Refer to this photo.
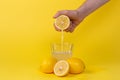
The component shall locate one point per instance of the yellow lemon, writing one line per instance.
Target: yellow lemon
(47, 65)
(62, 22)
(76, 65)
(61, 68)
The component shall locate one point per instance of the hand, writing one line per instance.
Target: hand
(74, 17)
(77, 16)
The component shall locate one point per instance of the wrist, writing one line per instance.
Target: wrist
(81, 13)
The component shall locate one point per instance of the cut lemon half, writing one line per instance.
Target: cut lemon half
(62, 22)
(61, 68)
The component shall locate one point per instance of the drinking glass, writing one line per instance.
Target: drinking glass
(62, 51)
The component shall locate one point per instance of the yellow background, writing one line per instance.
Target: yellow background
(26, 33)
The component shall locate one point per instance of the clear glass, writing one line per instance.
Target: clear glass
(62, 52)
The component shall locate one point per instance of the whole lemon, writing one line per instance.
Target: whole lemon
(76, 65)
(47, 65)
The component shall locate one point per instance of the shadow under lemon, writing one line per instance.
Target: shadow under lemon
(89, 71)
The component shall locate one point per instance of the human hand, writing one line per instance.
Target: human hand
(74, 16)
(78, 15)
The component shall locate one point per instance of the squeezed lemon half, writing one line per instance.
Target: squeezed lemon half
(62, 22)
(61, 68)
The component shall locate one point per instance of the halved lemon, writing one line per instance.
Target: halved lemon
(61, 68)
(62, 22)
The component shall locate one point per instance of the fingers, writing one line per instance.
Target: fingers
(71, 27)
(63, 12)
(72, 14)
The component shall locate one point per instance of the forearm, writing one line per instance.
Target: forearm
(89, 6)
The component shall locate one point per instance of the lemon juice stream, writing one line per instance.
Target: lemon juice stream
(64, 52)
